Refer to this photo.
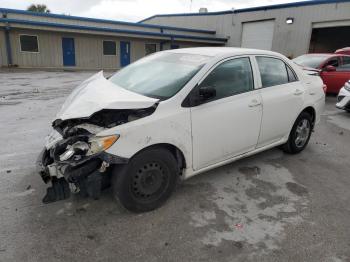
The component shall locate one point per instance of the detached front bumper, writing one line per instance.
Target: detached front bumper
(343, 99)
(88, 176)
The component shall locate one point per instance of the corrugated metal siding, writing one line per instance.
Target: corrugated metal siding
(50, 53)
(88, 50)
(3, 57)
(291, 40)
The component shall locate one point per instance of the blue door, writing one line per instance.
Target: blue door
(68, 51)
(124, 53)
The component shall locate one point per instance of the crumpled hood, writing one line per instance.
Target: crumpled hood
(97, 93)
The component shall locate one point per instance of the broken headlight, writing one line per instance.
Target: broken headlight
(99, 144)
(93, 146)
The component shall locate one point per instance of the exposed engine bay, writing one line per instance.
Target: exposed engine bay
(74, 159)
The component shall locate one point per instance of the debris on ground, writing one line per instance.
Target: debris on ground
(8, 171)
(238, 226)
(91, 237)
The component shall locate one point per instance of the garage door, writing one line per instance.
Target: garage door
(258, 35)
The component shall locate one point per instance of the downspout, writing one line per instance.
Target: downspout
(8, 45)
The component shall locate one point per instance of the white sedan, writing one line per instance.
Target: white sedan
(343, 99)
(173, 115)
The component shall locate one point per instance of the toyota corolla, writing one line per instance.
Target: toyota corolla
(173, 115)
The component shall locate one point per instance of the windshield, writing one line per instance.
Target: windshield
(313, 61)
(161, 75)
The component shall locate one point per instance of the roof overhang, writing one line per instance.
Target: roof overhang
(39, 25)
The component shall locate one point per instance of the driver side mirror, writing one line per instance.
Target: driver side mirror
(199, 95)
(330, 68)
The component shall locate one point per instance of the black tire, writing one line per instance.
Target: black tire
(147, 181)
(292, 146)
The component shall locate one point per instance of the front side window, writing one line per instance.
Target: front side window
(332, 62)
(109, 48)
(150, 48)
(29, 43)
(160, 75)
(230, 78)
(273, 71)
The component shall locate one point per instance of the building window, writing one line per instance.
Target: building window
(29, 43)
(150, 48)
(109, 48)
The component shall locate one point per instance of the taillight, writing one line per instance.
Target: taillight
(324, 88)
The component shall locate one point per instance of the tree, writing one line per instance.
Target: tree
(38, 8)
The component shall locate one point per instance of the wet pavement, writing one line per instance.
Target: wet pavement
(268, 207)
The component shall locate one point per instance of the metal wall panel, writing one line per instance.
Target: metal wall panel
(291, 40)
(3, 56)
(88, 50)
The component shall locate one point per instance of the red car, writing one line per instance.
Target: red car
(344, 51)
(334, 68)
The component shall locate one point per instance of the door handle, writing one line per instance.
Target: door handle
(298, 92)
(255, 103)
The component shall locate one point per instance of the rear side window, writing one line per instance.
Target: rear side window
(230, 78)
(274, 72)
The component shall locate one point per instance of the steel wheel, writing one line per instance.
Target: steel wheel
(302, 133)
(149, 182)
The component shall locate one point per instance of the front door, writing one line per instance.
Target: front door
(228, 124)
(68, 51)
(332, 79)
(124, 53)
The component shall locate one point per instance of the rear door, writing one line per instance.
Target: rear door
(228, 124)
(282, 97)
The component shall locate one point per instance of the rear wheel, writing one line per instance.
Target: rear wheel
(300, 135)
(147, 181)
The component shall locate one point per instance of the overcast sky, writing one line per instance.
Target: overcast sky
(135, 10)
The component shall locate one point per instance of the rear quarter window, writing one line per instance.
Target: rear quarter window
(273, 71)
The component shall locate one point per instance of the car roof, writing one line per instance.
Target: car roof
(325, 54)
(222, 51)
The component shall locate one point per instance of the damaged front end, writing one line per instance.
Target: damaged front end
(74, 159)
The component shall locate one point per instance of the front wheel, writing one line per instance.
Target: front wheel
(300, 135)
(147, 181)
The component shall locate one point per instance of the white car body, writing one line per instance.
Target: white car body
(344, 97)
(205, 135)
(208, 135)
